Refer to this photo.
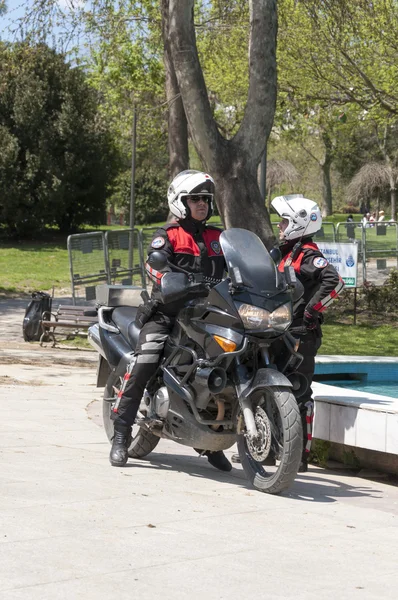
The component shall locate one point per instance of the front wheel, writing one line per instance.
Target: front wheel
(142, 440)
(280, 436)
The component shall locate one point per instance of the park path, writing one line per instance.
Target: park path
(171, 527)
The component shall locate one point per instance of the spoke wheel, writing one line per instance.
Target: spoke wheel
(280, 437)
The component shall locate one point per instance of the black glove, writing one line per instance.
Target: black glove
(311, 318)
(145, 312)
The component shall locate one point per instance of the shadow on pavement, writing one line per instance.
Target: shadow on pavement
(195, 466)
(308, 487)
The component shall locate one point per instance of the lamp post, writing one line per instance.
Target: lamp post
(132, 189)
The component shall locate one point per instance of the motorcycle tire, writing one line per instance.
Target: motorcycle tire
(284, 422)
(142, 440)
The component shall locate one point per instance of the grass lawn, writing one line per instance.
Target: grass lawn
(350, 340)
(26, 266)
(359, 340)
(29, 266)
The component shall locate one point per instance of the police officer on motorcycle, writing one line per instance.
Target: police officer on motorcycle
(301, 219)
(188, 245)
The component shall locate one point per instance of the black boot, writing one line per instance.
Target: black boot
(303, 468)
(218, 460)
(121, 441)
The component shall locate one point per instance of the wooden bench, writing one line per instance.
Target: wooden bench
(75, 318)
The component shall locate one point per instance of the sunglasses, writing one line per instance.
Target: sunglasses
(199, 198)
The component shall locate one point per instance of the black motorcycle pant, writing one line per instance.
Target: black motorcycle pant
(148, 352)
(309, 346)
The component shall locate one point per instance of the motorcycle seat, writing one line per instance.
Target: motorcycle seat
(124, 318)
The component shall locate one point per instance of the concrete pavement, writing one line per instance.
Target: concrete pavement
(73, 527)
(171, 527)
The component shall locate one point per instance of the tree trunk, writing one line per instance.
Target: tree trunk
(232, 163)
(177, 121)
(393, 194)
(327, 199)
(236, 179)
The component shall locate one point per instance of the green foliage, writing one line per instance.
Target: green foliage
(56, 156)
(150, 204)
(383, 299)
(319, 452)
(350, 459)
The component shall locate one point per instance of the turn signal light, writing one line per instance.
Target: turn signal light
(226, 345)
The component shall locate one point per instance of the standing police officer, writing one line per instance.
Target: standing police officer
(301, 219)
(189, 245)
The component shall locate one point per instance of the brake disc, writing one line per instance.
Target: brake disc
(260, 446)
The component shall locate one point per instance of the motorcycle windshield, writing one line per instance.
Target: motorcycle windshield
(249, 263)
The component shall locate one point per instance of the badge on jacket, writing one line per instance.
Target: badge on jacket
(158, 242)
(319, 262)
(215, 246)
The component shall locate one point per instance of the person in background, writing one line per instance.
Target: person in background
(350, 226)
(381, 216)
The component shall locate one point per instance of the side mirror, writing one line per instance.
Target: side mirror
(173, 287)
(276, 255)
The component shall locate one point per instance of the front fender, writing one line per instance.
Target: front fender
(266, 378)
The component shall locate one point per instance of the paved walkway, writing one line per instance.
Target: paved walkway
(171, 527)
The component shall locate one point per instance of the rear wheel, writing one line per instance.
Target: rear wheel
(142, 440)
(280, 435)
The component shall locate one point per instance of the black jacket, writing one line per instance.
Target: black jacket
(322, 284)
(189, 245)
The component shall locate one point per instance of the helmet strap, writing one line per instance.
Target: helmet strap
(294, 253)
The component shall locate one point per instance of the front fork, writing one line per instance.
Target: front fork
(243, 379)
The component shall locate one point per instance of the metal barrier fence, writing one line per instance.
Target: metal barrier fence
(377, 247)
(125, 258)
(87, 264)
(118, 256)
(114, 257)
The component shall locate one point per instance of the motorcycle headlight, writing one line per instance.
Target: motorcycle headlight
(257, 318)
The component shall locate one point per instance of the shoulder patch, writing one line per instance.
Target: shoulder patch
(320, 262)
(215, 246)
(158, 242)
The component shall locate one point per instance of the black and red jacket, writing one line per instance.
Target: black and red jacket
(192, 246)
(322, 284)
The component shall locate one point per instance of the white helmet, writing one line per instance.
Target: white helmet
(303, 215)
(188, 183)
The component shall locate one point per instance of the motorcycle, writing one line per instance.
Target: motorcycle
(228, 370)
